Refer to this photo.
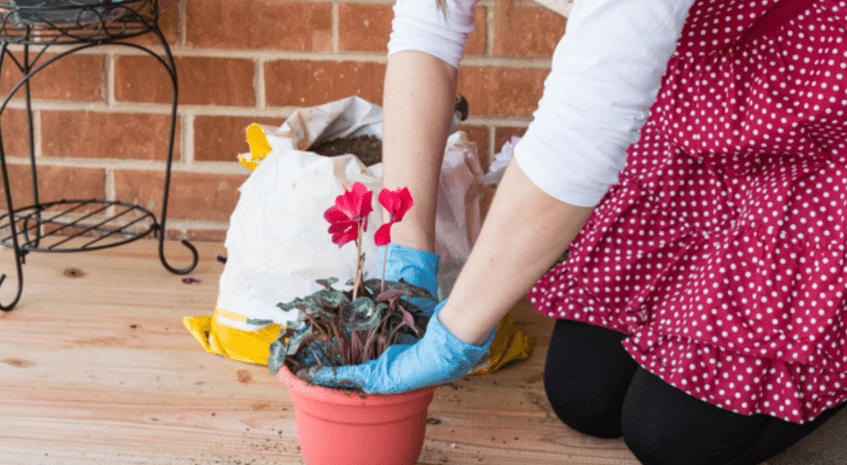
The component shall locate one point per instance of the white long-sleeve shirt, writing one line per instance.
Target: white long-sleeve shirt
(604, 77)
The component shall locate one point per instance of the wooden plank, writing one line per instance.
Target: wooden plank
(136, 423)
(96, 368)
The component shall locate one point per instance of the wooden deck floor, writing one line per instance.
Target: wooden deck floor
(96, 368)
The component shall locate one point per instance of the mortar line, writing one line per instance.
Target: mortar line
(334, 28)
(210, 110)
(182, 28)
(337, 56)
(206, 167)
(111, 191)
(110, 79)
(186, 152)
(259, 82)
(489, 30)
(154, 108)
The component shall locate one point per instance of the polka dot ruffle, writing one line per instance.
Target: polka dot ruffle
(722, 252)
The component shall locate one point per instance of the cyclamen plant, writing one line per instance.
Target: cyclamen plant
(350, 327)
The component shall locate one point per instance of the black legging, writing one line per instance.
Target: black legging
(596, 388)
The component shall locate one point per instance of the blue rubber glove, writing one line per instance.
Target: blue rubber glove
(415, 267)
(437, 358)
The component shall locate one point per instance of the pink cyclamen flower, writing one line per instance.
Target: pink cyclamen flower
(396, 203)
(351, 209)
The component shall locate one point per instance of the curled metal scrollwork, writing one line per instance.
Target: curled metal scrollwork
(75, 21)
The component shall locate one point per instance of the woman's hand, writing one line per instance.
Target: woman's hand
(437, 358)
(416, 267)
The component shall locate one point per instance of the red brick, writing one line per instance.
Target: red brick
(477, 38)
(504, 134)
(308, 83)
(222, 138)
(168, 24)
(493, 91)
(76, 77)
(54, 183)
(198, 196)
(364, 26)
(88, 134)
(534, 32)
(253, 24)
(15, 132)
(202, 81)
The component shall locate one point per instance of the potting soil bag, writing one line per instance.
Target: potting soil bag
(278, 245)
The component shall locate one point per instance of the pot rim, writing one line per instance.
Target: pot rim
(347, 396)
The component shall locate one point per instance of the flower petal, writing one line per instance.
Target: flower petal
(365, 206)
(341, 226)
(334, 214)
(383, 235)
(343, 232)
(344, 237)
(396, 202)
(346, 203)
(351, 210)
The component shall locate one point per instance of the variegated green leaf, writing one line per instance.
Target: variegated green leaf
(330, 298)
(361, 314)
(299, 302)
(278, 351)
(327, 283)
(409, 289)
(298, 340)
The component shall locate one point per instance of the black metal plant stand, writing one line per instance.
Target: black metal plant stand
(82, 224)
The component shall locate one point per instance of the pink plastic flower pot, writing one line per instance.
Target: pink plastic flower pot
(337, 426)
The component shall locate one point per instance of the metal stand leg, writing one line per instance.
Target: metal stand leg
(171, 67)
(19, 254)
(33, 218)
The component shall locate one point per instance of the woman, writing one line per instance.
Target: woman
(701, 312)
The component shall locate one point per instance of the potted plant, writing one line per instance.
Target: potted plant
(347, 327)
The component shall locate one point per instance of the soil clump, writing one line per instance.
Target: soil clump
(366, 148)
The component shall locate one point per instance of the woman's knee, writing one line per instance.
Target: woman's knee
(576, 407)
(659, 445)
(586, 377)
(663, 425)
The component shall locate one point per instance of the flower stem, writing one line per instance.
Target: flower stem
(369, 345)
(393, 334)
(354, 348)
(384, 260)
(315, 354)
(336, 342)
(357, 276)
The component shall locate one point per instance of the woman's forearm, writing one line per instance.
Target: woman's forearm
(418, 104)
(525, 231)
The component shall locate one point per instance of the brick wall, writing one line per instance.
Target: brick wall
(101, 116)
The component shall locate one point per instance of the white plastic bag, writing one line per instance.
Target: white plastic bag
(563, 7)
(277, 242)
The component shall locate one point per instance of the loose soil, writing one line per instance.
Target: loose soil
(367, 148)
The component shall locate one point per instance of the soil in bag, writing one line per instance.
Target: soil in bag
(367, 148)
